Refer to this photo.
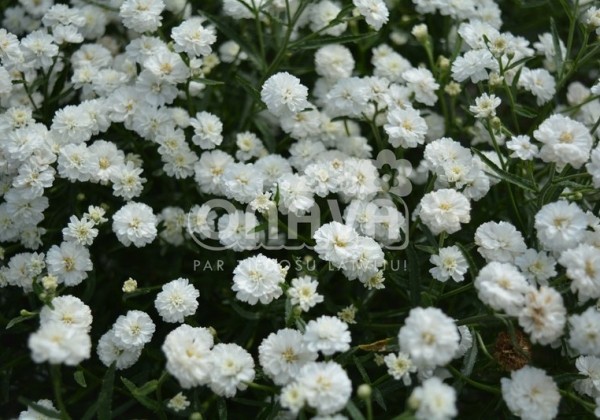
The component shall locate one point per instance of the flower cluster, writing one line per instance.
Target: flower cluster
(189, 190)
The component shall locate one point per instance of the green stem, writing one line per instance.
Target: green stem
(55, 374)
(488, 388)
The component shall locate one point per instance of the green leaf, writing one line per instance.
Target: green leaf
(243, 312)
(353, 411)
(222, 408)
(231, 34)
(470, 359)
(207, 82)
(429, 249)
(413, 276)
(378, 398)
(326, 40)
(506, 176)
(249, 88)
(140, 393)
(80, 378)
(18, 320)
(525, 111)
(558, 59)
(361, 370)
(106, 391)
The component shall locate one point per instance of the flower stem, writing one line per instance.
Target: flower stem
(55, 374)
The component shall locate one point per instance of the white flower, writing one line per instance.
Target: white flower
(583, 268)
(80, 231)
(433, 400)
(237, 231)
(560, 225)
(187, 350)
(231, 368)
(444, 210)
(539, 82)
(142, 15)
(208, 130)
(56, 342)
(538, 267)
(590, 367)
(295, 195)
(422, 83)
(177, 300)
(193, 38)
(503, 287)
(179, 402)
(68, 310)
(127, 181)
(111, 351)
(209, 171)
(258, 278)
(325, 386)
(485, 106)
(284, 94)
(201, 221)
(499, 241)
(336, 243)
(375, 12)
(327, 334)
(449, 263)
(473, 64)
(133, 329)
(531, 394)
(321, 14)
(334, 61)
(400, 367)
(167, 66)
(584, 336)
(282, 355)
(429, 336)
(69, 262)
(304, 292)
(544, 315)
(593, 166)
(522, 148)
(405, 127)
(566, 141)
(135, 223)
(293, 397)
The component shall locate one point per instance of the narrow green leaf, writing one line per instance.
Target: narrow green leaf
(106, 391)
(558, 59)
(140, 393)
(243, 312)
(233, 35)
(18, 320)
(222, 408)
(378, 398)
(48, 412)
(470, 359)
(413, 276)
(80, 378)
(326, 40)
(429, 249)
(353, 411)
(525, 111)
(361, 370)
(207, 82)
(506, 176)
(249, 88)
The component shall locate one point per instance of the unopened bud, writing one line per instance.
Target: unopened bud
(130, 285)
(420, 32)
(364, 391)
